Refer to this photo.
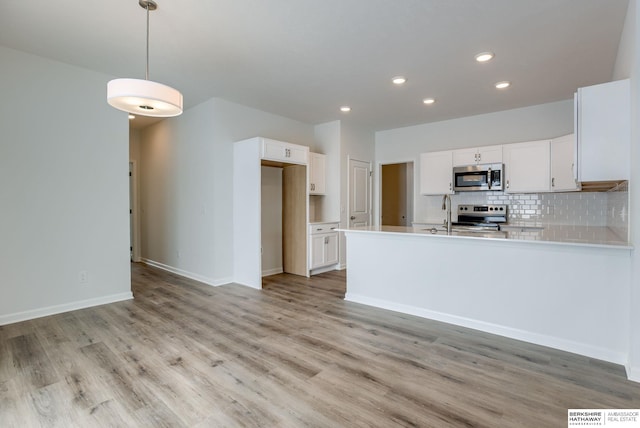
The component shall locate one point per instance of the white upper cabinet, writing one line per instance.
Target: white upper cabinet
(477, 155)
(317, 174)
(436, 172)
(284, 152)
(527, 167)
(563, 164)
(603, 125)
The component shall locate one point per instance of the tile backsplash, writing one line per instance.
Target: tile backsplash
(607, 209)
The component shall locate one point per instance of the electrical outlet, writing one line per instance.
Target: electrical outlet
(83, 277)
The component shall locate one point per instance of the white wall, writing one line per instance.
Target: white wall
(187, 184)
(327, 142)
(628, 65)
(63, 189)
(358, 144)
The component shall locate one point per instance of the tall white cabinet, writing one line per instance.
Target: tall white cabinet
(248, 157)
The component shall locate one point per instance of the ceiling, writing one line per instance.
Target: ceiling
(303, 59)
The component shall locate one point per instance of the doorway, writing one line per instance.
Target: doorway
(396, 194)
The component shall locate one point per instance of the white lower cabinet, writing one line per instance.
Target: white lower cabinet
(323, 245)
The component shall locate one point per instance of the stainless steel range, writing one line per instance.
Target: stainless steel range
(481, 217)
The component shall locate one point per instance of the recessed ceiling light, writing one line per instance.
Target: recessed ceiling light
(399, 80)
(345, 109)
(503, 85)
(484, 56)
(131, 117)
(429, 101)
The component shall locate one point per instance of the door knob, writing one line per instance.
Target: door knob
(353, 217)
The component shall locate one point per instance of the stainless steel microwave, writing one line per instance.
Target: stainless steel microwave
(478, 177)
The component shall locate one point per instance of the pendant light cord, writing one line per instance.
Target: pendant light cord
(147, 71)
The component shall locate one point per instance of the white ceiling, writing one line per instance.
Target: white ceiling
(303, 59)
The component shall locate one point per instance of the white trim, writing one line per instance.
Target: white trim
(633, 373)
(273, 271)
(535, 338)
(134, 204)
(67, 307)
(325, 269)
(187, 274)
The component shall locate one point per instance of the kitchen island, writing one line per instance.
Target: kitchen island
(567, 295)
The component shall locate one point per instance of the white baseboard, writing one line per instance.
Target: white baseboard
(274, 271)
(324, 269)
(187, 274)
(58, 309)
(527, 336)
(633, 373)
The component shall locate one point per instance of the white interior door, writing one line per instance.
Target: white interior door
(359, 193)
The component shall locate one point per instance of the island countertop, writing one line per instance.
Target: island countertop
(591, 236)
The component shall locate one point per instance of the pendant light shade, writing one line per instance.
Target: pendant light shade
(144, 97)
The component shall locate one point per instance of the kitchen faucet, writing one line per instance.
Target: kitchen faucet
(446, 205)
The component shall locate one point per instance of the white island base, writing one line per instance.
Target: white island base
(569, 297)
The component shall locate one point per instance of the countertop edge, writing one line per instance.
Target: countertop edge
(627, 247)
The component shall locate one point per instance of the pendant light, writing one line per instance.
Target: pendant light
(144, 97)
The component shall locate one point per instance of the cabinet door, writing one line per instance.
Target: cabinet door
(436, 173)
(317, 256)
(297, 154)
(527, 167)
(563, 158)
(272, 149)
(317, 174)
(463, 157)
(284, 152)
(604, 131)
(331, 248)
(477, 155)
(490, 154)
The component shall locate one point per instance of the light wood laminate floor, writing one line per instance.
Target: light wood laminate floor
(183, 354)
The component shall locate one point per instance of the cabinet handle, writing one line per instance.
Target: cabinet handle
(553, 182)
(507, 184)
(450, 186)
